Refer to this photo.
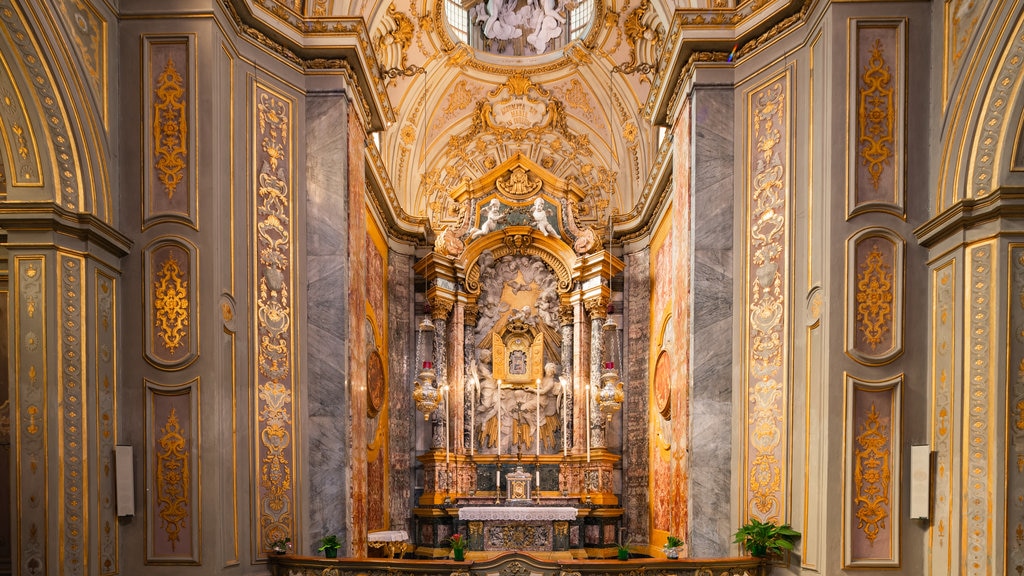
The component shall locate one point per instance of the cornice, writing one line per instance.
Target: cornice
(1003, 204)
(319, 44)
(639, 221)
(715, 35)
(46, 223)
(401, 226)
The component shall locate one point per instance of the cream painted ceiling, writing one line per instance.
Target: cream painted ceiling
(436, 136)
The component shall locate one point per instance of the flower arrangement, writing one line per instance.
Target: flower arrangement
(458, 544)
(282, 546)
(329, 546)
(672, 546)
(622, 550)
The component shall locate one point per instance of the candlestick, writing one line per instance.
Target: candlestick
(447, 423)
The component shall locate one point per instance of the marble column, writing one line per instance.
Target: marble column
(471, 382)
(440, 308)
(566, 316)
(636, 473)
(401, 372)
(712, 317)
(328, 308)
(598, 310)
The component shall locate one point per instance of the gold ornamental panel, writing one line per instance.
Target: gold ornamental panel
(874, 304)
(171, 312)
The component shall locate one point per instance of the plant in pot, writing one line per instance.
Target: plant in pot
(763, 539)
(282, 546)
(622, 550)
(672, 546)
(458, 545)
(329, 546)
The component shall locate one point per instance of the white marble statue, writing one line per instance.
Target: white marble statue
(502, 22)
(494, 217)
(547, 24)
(540, 218)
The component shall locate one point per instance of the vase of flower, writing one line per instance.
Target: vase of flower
(458, 544)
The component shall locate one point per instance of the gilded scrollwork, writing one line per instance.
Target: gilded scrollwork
(273, 234)
(171, 304)
(518, 183)
(172, 478)
(876, 114)
(872, 475)
(874, 297)
(392, 44)
(767, 300)
(170, 128)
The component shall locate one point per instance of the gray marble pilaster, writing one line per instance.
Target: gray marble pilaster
(567, 348)
(327, 287)
(713, 309)
(635, 460)
(402, 413)
(469, 395)
(437, 419)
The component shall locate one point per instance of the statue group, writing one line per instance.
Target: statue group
(540, 20)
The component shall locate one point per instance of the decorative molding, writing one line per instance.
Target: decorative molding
(874, 325)
(169, 174)
(961, 19)
(105, 366)
(273, 279)
(173, 508)
(945, 278)
(871, 505)
(980, 438)
(172, 312)
(88, 31)
(67, 171)
(767, 156)
(31, 417)
(877, 110)
(22, 152)
(73, 449)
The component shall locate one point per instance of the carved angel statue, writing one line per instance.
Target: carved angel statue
(540, 218)
(494, 217)
(501, 21)
(547, 24)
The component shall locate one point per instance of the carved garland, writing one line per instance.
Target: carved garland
(170, 128)
(172, 478)
(877, 114)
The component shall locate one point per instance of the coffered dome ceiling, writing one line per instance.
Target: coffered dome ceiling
(579, 106)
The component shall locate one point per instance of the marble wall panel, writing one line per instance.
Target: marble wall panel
(401, 410)
(636, 446)
(356, 193)
(274, 399)
(169, 180)
(872, 488)
(767, 162)
(328, 309)
(172, 473)
(711, 396)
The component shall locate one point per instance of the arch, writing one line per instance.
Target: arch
(525, 240)
(51, 117)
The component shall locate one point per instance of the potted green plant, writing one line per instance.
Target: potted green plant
(458, 545)
(672, 546)
(762, 539)
(329, 546)
(622, 550)
(282, 546)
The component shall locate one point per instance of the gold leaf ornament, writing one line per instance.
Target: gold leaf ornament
(170, 128)
(170, 303)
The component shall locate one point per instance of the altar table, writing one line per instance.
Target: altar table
(520, 513)
(535, 528)
(391, 540)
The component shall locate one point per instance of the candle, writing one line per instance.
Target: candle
(447, 421)
(538, 418)
(538, 477)
(499, 418)
(565, 421)
(497, 479)
(588, 424)
(472, 415)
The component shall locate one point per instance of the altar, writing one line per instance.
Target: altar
(537, 528)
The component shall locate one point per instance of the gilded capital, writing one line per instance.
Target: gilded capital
(597, 306)
(469, 314)
(566, 315)
(439, 307)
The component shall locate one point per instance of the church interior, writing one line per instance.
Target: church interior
(549, 278)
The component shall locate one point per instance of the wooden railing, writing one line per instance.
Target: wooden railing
(515, 564)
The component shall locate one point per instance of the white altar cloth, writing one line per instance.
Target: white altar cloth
(522, 513)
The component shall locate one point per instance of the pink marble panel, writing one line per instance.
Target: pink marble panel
(357, 349)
